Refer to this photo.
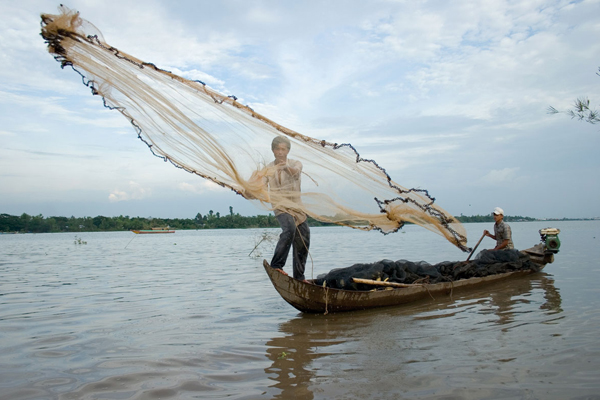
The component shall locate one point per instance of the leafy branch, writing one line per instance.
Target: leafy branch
(581, 110)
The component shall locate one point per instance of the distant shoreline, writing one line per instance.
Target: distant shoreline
(40, 224)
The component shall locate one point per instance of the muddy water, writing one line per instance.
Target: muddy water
(191, 315)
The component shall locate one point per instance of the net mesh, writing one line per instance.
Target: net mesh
(217, 138)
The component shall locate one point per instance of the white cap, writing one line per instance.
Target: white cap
(498, 211)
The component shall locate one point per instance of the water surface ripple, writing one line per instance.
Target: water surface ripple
(192, 315)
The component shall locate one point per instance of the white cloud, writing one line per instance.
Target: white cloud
(200, 187)
(194, 74)
(135, 191)
(498, 176)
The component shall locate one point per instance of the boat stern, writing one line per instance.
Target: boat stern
(550, 240)
(543, 252)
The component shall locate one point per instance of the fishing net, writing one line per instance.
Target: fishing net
(215, 137)
(487, 262)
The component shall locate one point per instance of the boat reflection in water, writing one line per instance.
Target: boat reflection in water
(315, 351)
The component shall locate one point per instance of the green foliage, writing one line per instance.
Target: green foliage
(490, 218)
(581, 110)
(40, 224)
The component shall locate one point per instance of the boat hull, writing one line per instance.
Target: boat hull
(310, 298)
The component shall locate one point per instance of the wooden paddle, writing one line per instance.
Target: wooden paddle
(384, 283)
(474, 248)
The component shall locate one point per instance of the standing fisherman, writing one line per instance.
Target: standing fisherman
(284, 189)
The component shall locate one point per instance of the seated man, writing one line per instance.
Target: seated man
(502, 233)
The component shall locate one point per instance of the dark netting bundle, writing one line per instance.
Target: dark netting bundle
(487, 262)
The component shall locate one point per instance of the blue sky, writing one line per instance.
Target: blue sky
(447, 96)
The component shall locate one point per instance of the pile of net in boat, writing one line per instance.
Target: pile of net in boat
(487, 262)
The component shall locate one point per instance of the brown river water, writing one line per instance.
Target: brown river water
(192, 315)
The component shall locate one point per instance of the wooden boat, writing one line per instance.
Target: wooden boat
(153, 230)
(310, 298)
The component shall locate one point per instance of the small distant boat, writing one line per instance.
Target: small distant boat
(153, 230)
(311, 298)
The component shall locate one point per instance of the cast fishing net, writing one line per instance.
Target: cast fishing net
(215, 137)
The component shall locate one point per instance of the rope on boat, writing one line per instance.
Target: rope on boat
(425, 285)
(326, 298)
(427, 288)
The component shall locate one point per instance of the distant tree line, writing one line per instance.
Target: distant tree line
(490, 218)
(40, 224)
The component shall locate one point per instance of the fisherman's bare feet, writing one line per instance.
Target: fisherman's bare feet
(282, 271)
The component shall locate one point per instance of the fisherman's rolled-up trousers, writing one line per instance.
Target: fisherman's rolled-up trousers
(297, 237)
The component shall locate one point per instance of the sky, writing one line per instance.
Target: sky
(451, 97)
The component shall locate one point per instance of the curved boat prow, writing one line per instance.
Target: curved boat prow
(296, 293)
